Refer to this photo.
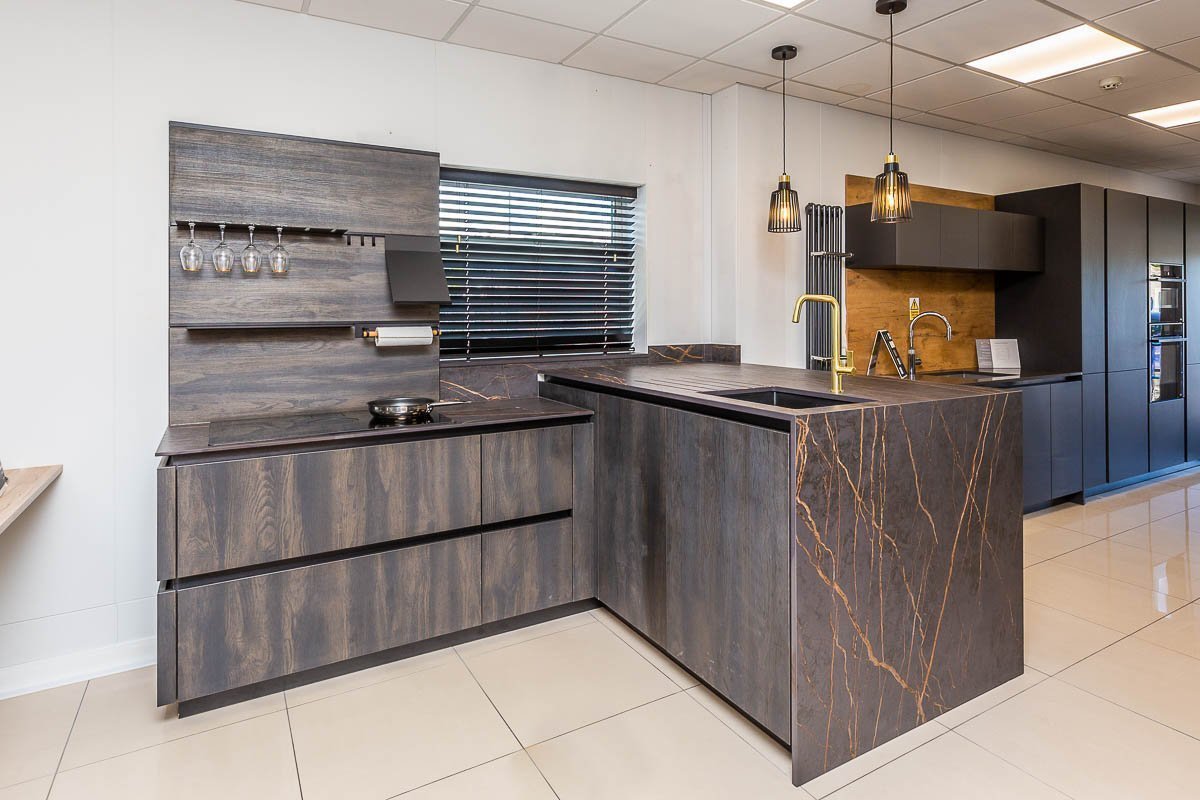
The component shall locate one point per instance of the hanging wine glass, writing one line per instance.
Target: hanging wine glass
(251, 256)
(278, 257)
(222, 255)
(191, 255)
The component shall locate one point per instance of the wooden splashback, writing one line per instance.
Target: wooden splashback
(878, 298)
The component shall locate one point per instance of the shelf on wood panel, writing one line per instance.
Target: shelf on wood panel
(23, 487)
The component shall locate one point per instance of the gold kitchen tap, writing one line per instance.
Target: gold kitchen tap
(839, 365)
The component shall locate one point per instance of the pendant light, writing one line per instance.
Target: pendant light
(785, 203)
(891, 201)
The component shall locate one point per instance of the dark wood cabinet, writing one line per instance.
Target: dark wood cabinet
(1192, 398)
(1191, 275)
(1128, 424)
(526, 569)
(1127, 283)
(1036, 445)
(1165, 231)
(1094, 387)
(1168, 433)
(239, 632)
(526, 473)
(258, 510)
(1066, 438)
(959, 239)
(693, 515)
(1010, 242)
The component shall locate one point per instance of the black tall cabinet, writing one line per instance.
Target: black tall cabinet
(1128, 336)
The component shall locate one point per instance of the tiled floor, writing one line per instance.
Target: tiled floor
(1109, 706)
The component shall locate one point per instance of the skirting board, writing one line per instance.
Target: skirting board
(34, 676)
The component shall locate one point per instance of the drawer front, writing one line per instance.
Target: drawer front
(526, 569)
(526, 473)
(258, 510)
(240, 632)
(165, 607)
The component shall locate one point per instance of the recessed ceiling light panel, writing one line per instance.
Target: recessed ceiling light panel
(785, 3)
(1171, 116)
(1054, 55)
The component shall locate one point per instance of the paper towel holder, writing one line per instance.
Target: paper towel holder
(371, 331)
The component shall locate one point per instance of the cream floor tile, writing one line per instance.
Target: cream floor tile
(388, 738)
(671, 748)
(525, 634)
(872, 760)
(554, 684)
(251, 759)
(1047, 541)
(368, 677)
(990, 699)
(1028, 559)
(33, 731)
(746, 730)
(1168, 504)
(512, 777)
(1054, 640)
(1088, 747)
(948, 768)
(1106, 602)
(666, 666)
(1177, 576)
(1143, 677)
(30, 790)
(1098, 519)
(1178, 534)
(118, 715)
(1178, 631)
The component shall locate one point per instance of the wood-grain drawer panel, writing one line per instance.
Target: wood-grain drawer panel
(526, 569)
(526, 473)
(259, 510)
(235, 633)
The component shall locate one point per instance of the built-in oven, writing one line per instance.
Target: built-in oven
(1167, 332)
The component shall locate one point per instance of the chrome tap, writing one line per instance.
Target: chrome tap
(913, 361)
(839, 365)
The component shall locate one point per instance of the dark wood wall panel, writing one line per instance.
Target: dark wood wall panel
(329, 282)
(251, 373)
(240, 632)
(526, 569)
(526, 473)
(263, 179)
(259, 510)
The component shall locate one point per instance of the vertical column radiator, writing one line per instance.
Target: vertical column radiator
(824, 273)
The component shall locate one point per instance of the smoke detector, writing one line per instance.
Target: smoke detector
(1114, 82)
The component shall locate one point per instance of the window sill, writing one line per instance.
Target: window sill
(549, 361)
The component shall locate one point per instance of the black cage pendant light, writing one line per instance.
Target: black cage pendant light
(785, 203)
(892, 201)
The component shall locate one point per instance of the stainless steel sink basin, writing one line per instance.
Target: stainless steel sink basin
(785, 398)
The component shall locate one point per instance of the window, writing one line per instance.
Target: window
(536, 267)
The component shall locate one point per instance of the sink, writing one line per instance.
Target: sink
(966, 375)
(784, 398)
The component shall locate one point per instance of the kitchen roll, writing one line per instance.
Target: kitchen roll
(404, 336)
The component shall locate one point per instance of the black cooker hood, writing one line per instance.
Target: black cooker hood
(414, 268)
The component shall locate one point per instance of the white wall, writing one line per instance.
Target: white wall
(757, 276)
(88, 89)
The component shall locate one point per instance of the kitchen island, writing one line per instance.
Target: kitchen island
(841, 570)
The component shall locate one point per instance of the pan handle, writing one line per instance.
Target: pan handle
(437, 403)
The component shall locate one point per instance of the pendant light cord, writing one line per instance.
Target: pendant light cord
(784, 107)
(891, 81)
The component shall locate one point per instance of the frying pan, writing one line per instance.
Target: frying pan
(406, 409)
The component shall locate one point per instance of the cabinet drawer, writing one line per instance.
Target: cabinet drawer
(258, 510)
(526, 473)
(239, 632)
(526, 569)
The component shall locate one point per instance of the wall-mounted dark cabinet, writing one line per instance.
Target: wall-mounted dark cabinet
(1128, 334)
(946, 237)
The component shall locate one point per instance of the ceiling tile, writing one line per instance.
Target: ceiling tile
(861, 17)
(1157, 23)
(1135, 72)
(1102, 133)
(985, 28)
(1062, 116)
(982, 110)
(1190, 131)
(879, 109)
(1095, 9)
(819, 44)
(866, 71)
(709, 77)
(586, 14)
(428, 18)
(1188, 51)
(984, 132)
(944, 88)
(628, 60)
(815, 93)
(286, 5)
(935, 121)
(696, 27)
(518, 36)
(1155, 95)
